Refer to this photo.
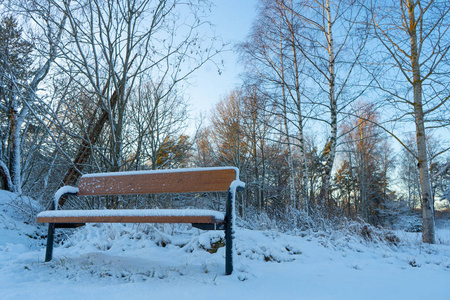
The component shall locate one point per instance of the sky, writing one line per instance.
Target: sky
(232, 20)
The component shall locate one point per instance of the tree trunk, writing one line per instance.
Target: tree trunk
(304, 166)
(292, 193)
(428, 234)
(5, 177)
(85, 148)
(14, 151)
(15, 147)
(330, 149)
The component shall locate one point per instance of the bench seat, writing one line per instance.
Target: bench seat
(132, 216)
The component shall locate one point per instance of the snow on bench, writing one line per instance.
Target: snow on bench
(188, 180)
(132, 216)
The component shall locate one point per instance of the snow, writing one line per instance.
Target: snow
(141, 261)
(234, 187)
(162, 171)
(219, 216)
(64, 190)
(237, 184)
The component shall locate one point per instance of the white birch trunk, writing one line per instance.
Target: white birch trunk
(428, 233)
(331, 151)
(301, 140)
(292, 196)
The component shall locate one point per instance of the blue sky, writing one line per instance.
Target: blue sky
(232, 19)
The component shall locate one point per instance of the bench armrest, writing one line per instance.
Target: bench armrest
(237, 185)
(65, 190)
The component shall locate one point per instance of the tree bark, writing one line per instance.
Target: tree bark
(428, 234)
(292, 194)
(304, 166)
(330, 148)
(6, 182)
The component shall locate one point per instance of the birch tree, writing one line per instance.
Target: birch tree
(414, 44)
(256, 117)
(272, 55)
(332, 43)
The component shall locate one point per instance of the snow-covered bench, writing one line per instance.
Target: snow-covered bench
(150, 182)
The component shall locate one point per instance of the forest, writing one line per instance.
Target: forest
(342, 113)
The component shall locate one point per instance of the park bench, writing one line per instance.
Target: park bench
(194, 180)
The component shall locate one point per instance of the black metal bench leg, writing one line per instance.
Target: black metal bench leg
(229, 236)
(228, 250)
(49, 250)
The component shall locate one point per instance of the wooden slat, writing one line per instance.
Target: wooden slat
(155, 183)
(130, 219)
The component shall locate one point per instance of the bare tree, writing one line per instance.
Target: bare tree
(333, 42)
(367, 161)
(274, 62)
(409, 175)
(414, 43)
(256, 117)
(204, 155)
(22, 87)
(228, 134)
(110, 45)
(156, 117)
(442, 180)
(227, 121)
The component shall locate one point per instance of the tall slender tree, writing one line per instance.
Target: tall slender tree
(414, 43)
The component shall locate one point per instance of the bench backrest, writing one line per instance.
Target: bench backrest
(160, 181)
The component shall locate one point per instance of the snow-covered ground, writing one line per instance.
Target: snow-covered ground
(131, 261)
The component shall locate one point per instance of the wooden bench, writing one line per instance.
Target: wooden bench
(150, 182)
